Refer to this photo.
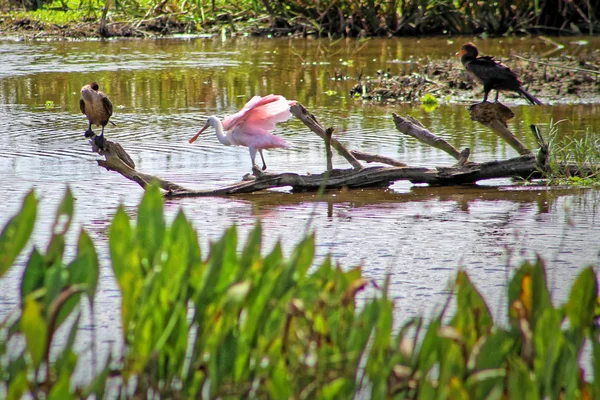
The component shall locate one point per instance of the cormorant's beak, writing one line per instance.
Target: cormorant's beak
(192, 140)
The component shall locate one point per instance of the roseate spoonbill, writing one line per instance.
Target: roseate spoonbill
(252, 125)
(97, 108)
(491, 73)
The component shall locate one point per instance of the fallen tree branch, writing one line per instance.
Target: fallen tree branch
(412, 127)
(377, 176)
(368, 157)
(526, 166)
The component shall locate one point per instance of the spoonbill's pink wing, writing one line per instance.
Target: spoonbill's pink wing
(260, 113)
(267, 114)
(231, 121)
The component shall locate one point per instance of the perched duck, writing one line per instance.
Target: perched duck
(97, 108)
(492, 74)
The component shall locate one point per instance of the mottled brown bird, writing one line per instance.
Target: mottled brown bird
(492, 74)
(97, 108)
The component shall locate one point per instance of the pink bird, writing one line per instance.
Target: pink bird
(252, 125)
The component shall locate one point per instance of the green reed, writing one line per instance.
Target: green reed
(239, 324)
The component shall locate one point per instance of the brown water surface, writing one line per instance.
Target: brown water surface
(163, 90)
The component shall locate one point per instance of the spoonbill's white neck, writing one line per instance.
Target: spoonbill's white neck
(218, 125)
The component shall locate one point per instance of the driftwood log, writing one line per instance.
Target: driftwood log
(493, 115)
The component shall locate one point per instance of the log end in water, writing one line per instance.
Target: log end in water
(486, 113)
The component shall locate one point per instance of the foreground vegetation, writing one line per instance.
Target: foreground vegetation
(238, 324)
(332, 17)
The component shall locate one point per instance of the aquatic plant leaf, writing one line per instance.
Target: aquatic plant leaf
(18, 386)
(548, 343)
(151, 222)
(54, 282)
(82, 272)
(595, 339)
(427, 390)
(488, 355)
(296, 268)
(34, 274)
(60, 227)
(223, 360)
(125, 259)
(487, 383)
(494, 349)
(174, 316)
(251, 253)
(456, 389)
(279, 384)
(582, 301)
(226, 265)
(182, 226)
(67, 360)
(123, 246)
(520, 383)
(171, 276)
(303, 256)
(473, 318)
(220, 270)
(61, 390)
(452, 366)
(528, 293)
(428, 352)
(16, 232)
(84, 269)
(377, 367)
(340, 388)
(35, 330)
(259, 306)
(567, 371)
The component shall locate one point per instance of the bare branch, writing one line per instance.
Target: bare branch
(411, 127)
(309, 120)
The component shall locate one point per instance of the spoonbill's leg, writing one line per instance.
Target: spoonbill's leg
(263, 160)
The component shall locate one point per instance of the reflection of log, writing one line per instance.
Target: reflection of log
(463, 196)
(525, 166)
(494, 116)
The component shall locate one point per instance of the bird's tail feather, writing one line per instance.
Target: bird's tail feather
(532, 100)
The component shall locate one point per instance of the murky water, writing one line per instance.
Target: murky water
(162, 91)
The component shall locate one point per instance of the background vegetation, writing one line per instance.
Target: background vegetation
(330, 17)
(237, 324)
